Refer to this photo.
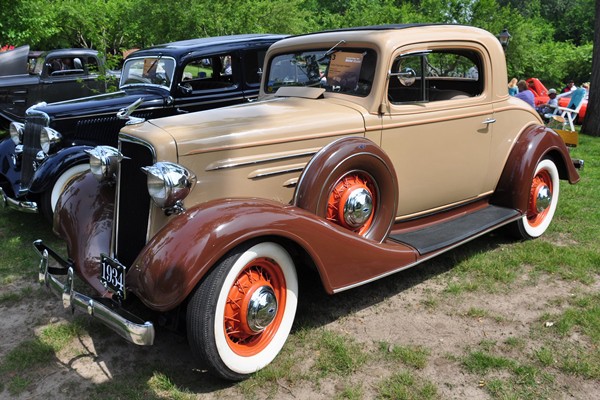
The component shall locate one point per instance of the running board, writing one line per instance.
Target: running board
(457, 230)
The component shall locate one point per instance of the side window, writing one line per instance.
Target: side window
(66, 66)
(209, 73)
(92, 65)
(435, 76)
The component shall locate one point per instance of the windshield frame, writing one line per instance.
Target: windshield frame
(125, 72)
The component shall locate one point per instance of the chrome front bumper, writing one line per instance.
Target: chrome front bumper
(25, 206)
(127, 325)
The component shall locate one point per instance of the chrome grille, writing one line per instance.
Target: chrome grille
(31, 146)
(100, 130)
(133, 201)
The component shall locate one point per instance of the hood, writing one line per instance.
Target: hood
(108, 103)
(268, 121)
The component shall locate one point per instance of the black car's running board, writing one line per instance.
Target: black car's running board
(460, 229)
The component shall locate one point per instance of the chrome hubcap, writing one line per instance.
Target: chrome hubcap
(262, 308)
(358, 207)
(544, 198)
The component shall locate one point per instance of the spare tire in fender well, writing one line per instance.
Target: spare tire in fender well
(336, 160)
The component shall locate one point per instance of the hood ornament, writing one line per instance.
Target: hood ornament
(125, 113)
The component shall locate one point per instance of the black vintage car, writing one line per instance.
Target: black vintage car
(45, 152)
(28, 77)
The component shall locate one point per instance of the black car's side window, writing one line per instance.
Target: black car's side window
(435, 75)
(66, 66)
(210, 73)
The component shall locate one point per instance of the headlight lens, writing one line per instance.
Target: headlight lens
(104, 161)
(169, 183)
(16, 132)
(48, 137)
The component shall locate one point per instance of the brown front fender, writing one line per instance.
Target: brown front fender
(534, 143)
(84, 218)
(176, 259)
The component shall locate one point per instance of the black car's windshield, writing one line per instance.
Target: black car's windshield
(348, 71)
(148, 71)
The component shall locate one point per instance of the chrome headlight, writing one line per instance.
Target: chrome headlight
(16, 132)
(48, 137)
(169, 183)
(104, 161)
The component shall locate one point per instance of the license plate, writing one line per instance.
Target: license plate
(112, 275)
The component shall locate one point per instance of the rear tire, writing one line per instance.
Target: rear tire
(240, 316)
(542, 202)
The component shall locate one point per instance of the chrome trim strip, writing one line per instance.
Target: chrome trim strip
(290, 183)
(284, 169)
(24, 206)
(419, 261)
(140, 334)
(262, 158)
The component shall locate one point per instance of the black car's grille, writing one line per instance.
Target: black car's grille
(31, 146)
(98, 130)
(133, 202)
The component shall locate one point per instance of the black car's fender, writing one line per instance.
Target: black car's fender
(55, 165)
(9, 174)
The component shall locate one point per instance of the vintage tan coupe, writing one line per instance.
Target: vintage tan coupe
(369, 151)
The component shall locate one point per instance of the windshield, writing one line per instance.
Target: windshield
(348, 71)
(148, 71)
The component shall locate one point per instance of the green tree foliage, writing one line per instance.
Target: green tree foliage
(551, 39)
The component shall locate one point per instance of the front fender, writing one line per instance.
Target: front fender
(175, 260)
(55, 165)
(8, 170)
(534, 143)
(84, 219)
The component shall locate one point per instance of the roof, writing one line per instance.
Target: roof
(176, 49)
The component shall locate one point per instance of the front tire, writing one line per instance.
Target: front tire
(240, 316)
(542, 202)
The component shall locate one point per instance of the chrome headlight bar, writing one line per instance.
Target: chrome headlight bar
(169, 184)
(104, 161)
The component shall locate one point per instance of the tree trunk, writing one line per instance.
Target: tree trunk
(591, 123)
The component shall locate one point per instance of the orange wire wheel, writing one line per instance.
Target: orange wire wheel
(352, 202)
(241, 314)
(255, 306)
(541, 203)
(540, 198)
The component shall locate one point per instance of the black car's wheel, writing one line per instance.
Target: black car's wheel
(240, 316)
(49, 198)
(542, 202)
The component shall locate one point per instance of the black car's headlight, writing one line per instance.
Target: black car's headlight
(16, 130)
(48, 137)
(104, 161)
(169, 183)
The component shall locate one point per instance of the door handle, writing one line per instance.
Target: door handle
(489, 121)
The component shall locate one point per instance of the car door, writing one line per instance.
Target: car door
(438, 125)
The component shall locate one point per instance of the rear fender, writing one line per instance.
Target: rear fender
(55, 165)
(535, 143)
(175, 260)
